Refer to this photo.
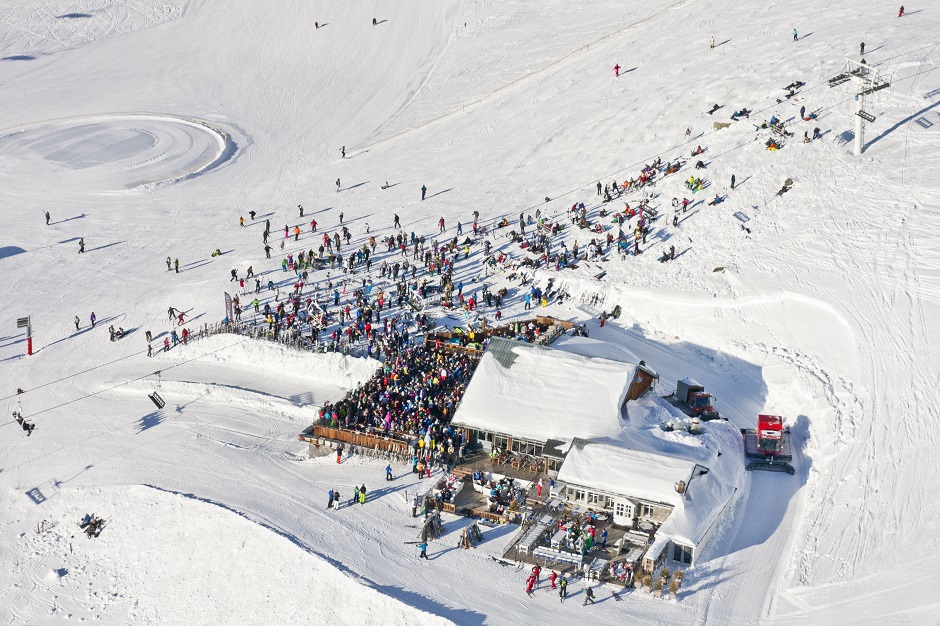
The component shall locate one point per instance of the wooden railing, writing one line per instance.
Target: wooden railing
(355, 438)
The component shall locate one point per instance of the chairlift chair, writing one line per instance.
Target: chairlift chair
(155, 396)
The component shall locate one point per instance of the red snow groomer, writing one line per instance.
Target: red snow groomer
(768, 447)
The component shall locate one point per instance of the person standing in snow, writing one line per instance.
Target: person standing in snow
(176, 265)
(901, 11)
(388, 473)
(362, 494)
(588, 596)
(424, 191)
(337, 185)
(617, 70)
(538, 489)
(93, 318)
(48, 217)
(440, 223)
(795, 36)
(423, 546)
(802, 112)
(552, 578)
(329, 505)
(861, 49)
(300, 208)
(343, 151)
(397, 223)
(336, 499)
(711, 42)
(529, 584)
(81, 245)
(76, 322)
(563, 588)
(732, 182)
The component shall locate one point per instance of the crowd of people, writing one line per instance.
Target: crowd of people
(412, 397)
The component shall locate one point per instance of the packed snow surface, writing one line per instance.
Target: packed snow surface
(148, 128)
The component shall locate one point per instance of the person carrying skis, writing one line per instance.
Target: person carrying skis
(423, 546)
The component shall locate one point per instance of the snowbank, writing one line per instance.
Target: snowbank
(165, 558)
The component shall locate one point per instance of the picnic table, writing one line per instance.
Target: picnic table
(557, 557)
(531, 538)
(558, 538)
(596, 567)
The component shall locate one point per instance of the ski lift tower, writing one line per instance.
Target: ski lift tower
(867, 81)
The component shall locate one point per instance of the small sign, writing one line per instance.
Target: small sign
(22, 322)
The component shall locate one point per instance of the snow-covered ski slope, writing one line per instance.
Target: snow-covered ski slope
(149, 127)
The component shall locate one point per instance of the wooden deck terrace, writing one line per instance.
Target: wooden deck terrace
(517, 468)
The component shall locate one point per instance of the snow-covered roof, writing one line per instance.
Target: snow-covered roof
(540, 393)
(653, 477)
(585, 346)
(624, 471)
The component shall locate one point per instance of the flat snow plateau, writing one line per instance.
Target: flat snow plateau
(149, 127)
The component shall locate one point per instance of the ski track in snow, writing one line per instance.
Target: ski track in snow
(825, 312)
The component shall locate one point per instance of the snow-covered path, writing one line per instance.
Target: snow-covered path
(825, 309)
